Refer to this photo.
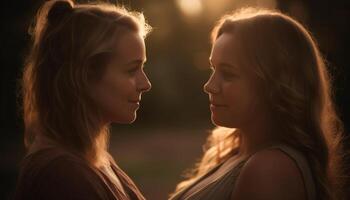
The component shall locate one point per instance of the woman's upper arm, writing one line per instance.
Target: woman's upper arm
(269, 175)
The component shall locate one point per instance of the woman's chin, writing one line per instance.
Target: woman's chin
(127, 119)
(223, 122)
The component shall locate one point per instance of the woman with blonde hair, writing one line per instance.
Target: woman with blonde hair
(278, 134)
(84, 72)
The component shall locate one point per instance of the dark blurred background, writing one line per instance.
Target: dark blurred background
(174, 119)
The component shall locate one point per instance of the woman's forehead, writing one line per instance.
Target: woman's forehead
(130, 47)
(225, 49)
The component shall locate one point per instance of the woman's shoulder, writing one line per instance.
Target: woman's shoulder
(56, 174)
(53, 158)
(270, 174)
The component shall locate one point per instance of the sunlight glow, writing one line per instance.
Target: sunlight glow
(190, 7)
(271, 4)
(217, 7)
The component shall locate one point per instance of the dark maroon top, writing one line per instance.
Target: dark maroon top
(56, 174)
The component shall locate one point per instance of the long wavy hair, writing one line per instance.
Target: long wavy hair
(295, 85)
(70, 49)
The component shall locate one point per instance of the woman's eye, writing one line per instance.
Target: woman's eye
(133, 70)
(229, 75)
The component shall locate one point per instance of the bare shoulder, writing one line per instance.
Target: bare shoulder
(270, 174)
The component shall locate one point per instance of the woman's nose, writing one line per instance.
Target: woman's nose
(144, 84)
(210, 86)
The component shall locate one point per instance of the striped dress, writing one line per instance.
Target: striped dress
(219, 182)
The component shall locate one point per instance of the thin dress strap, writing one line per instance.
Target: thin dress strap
(304, 167)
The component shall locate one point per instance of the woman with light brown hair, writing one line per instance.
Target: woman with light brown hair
(84, 72)
(278, 134)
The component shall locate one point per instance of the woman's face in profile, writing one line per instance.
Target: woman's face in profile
(230, 88)
(118, 93)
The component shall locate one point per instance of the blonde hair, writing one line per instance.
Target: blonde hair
(291, 74)
(70, 49)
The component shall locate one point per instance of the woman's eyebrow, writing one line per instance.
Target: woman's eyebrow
(224, 65)
(228, 66)
(137, 61)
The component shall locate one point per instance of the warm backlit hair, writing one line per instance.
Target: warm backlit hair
(70, 49)
(291, 74)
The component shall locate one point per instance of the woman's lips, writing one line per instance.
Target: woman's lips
(217, 105)
(135, 103)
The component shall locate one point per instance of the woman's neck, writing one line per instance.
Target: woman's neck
(40, 142)
(255, 137)
(250, 145)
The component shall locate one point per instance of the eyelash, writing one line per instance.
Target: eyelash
(228, 76)
(225, 75)
(133, 70)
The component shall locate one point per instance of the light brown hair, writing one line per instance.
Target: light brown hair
(70, 46)
(295, 85)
